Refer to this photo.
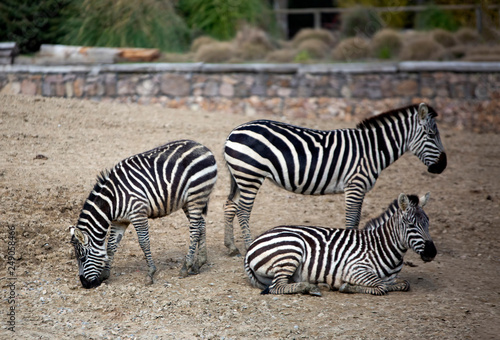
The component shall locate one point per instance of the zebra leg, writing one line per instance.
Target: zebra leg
(230, 209)
(354, 195)
(197, 239)
(398, 285)
(115, 236)
(142, 228)
(280, 285)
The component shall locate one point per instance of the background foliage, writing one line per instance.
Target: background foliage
(124, 23)
(221, 18)
(31, 23)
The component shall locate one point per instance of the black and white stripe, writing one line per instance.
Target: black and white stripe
(294, 259)
(177, 175)
(316, 162)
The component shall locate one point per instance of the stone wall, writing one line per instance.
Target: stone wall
(466, 94)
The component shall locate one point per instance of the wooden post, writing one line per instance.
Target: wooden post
(317, 19)
(479, 18)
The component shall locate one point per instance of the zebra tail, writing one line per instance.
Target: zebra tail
(205, 209)
(265, 291)
(234, 187)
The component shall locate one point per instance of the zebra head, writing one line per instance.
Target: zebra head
(91, 260)
(415, 225)
(426, 142)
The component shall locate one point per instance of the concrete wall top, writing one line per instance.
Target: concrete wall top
(349, 68)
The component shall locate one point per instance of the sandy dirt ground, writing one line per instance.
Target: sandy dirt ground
(53, 149)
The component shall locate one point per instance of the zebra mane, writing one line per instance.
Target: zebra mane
(390, 211)
(371, 122)
(101, 180)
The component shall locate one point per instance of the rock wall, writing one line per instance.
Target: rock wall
(466, 94)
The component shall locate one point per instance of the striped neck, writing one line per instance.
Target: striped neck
(391, 133)
(95, 217)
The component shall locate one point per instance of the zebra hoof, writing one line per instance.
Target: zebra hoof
(234, 252)
(314, 291)
(149, 281)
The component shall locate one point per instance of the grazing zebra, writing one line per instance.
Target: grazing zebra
(315, 162)
(153, 184)
(293, 259)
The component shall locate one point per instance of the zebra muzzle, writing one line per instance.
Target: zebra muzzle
(429, 252)
(89, 284)
(440, 165)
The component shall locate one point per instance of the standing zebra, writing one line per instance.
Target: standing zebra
(152, 184)
(314, 162)
(293, 259)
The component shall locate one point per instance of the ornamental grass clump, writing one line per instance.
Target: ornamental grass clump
(468, 36)
(200, 41)
(443, 37)
(425, 48)
(315, 48)
(218, 52)
(350, 49)
(281, 56)
(314, 34)
(252, 43)
(386, 44)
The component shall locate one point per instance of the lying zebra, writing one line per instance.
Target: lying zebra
(177, 175)
(350, 260)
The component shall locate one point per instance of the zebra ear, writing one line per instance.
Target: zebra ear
(403, 202)
(80, 236)
(71, 230)
(424, 199)
(423, 110)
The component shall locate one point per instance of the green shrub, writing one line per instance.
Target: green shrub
(316, 48)
(218, 52)
(433, 17)
(386, 44)
(281, 56)
(302, 57)
(31, 23)
(467, 36)
(317, 34)
(351, 49)
(361, 21)
(141, 23)
(220, 19)
(424, 48)
(443, 37)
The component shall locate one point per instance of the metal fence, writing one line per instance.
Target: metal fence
(281, 13)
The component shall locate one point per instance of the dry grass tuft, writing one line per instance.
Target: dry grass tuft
(200, 41)
(386, 44)
(444, 38)
(314, 34)
(281, 56)
(467, 36)
(315, 48)
(218, 52)
(354, 48)
(424, 48)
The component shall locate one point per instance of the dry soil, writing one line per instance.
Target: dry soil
(53, 149)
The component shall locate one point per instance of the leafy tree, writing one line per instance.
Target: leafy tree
(31, 23)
